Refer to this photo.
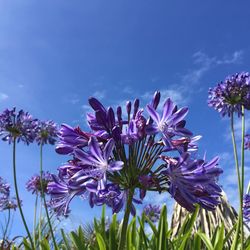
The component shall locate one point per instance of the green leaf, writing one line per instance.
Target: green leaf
(101, 242)
(142, 235)
(112, 233)
(65, 240)
(206, 240)
(219, 239)
(27, 245)
(197, 242)
(76, 241)
(45, 244)
(162, 238)
(152, 226)
(229, 234)
(81, 235)
(103, 226)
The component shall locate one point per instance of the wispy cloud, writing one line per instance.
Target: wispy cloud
(204, 63)
(99, 94)
(235, 58)
(175, 94)
(3, 96)
(237, 129)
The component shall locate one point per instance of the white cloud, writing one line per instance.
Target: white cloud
(237, 129)
(177, 95)
(99, 95)
(234, 58)
(3, 96)
(205, 63)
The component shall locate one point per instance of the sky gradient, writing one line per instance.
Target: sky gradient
(55, 54)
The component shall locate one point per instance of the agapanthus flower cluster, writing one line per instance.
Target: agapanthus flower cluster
(247, 142)
(34, 183)
(246, 207)
(231, 94)
(46, 132)
(19, 125)
(22, 126)
(6, 202)
(129, 154)
(152, 212)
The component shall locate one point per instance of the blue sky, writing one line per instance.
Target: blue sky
(55, 54)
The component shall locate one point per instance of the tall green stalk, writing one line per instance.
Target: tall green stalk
(239, 223)
(242, 171)
(43, 197)
(6, 228)
(126, 219)
(40, 223)
(17, 194)
(34, 223)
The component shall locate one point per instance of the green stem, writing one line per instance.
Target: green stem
(44, 199)
(242, 172)
(34, 225)
(126, 219)
(6, 228)
(17, 194)
(40, 223)
(239, 181)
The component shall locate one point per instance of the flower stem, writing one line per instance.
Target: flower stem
(40, 223)
(43, 197)
(126, 219)
(6, 228)
(242, 173)
(239, 182)
(17, 194)
(34, 225)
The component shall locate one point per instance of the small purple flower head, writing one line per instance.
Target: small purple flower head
(4, 187)
(8, 203)
(193, 181)
(246, 207)
(19, 125)
(5, 201)
(170, 124)
(247, 142)
(34, 184)
(71, 138)
(152, 212)
(230, 95)
(47, 132)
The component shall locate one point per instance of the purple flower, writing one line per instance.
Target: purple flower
(5, 201)
(62, 192)
(71, 138)
(34, 184)
(152, 212)
(131, 135)
(18, 125)
(121, 153)
(230, 95)
(184, 144)
(246, 207)
(47, 132)
(170, 124)
(193, 181)
(97, 160)
(4, 187)
(247, 141)
(8, 203)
